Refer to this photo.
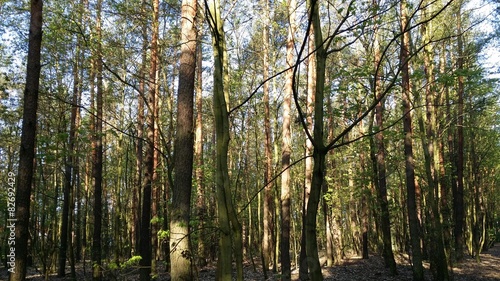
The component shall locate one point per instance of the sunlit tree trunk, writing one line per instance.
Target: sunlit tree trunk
(311, 89)
(286, 151)
(229, 226)
(180, 254)
(201, 205)
(268, 208)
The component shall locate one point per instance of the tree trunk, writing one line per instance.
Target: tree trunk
(381, 185)
(418, 273)
(98, 158)
(68, 175)
(198, 158)
(180, 254)
(268, 211)
(286, 151)
(230, 228)
(27, 149)
(458, 190)
(319, 153)
(311, 89)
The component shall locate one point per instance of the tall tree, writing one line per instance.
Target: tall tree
(381, 181)
(286, 150)
(180, 254)
(230, 227)
(311, 89)
(27, 149)
(268, 208)
(97, 154)
(458, 189)
(145, 240)
(418, 273)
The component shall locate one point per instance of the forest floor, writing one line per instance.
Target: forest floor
(352, 269)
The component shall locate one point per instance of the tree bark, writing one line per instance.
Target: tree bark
(458, 190)
(311, 89)
(229, 226)
(286, 151)
(268, 208)
(381, 185)
(418, 273)
(28, 135)
(180, 254)
(98, 157)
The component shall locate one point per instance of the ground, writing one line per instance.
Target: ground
(351, 269)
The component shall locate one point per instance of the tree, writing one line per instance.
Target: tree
(381, 181)
(418, 273)
(229, 226)
(286, 151)
(27, 150)
(181, 255)
(97, 154)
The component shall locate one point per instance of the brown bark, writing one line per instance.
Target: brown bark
(408, 149)
(285, 154)
(458, 190)
(268, 208)
(98, 157)
(27, 149)
(180, 254)
(145, 240)
(381, 184)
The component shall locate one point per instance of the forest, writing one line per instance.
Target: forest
(209, 139)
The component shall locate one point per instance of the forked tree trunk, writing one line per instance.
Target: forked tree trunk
(27, 149)
(229, 226)
(181, 255)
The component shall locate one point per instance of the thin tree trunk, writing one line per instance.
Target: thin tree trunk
(68, 176)
(381, 186)
(27, 149)
(180, 254)
(198, 155)
(458, 190)
(311, 89)
(268, 211)
(98, 158)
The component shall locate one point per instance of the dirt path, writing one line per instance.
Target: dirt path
(487, 269)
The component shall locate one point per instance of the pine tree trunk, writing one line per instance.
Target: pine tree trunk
(27, 149)
(180, 254)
